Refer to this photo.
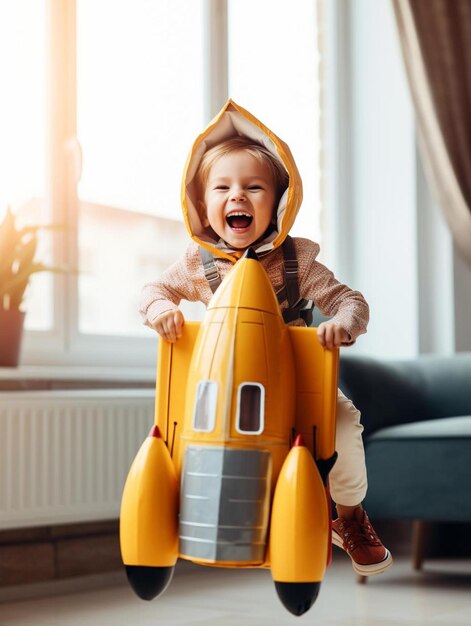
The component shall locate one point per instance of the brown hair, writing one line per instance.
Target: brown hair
(237, 144)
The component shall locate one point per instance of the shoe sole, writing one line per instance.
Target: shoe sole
(364, 570)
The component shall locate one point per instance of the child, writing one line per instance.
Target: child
(241, 189)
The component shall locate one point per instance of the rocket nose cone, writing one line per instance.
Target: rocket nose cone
(246, 286)
(297, 598)
(149, 582)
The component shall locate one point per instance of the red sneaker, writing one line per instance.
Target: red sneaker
(360, 541)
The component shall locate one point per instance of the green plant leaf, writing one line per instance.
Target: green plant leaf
(16, 287)
(25, 254)
(33, 228)
(7, 229)
(10, 240)
(17, 251)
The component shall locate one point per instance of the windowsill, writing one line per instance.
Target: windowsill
(78, 373)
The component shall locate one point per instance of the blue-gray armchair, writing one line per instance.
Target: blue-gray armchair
(417, 420)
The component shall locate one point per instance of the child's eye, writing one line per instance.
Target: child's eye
(255, 187)
(221, 187)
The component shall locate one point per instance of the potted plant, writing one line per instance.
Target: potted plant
(17, 264)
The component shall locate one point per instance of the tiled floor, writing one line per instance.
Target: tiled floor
(439, 596)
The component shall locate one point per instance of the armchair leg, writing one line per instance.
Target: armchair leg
(419, 541)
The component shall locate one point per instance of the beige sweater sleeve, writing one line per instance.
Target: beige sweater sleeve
(184, 280)
(344, 306)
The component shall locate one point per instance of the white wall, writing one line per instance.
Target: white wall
(462, 303)
(383, 182)
(435, 270)
(387, 237)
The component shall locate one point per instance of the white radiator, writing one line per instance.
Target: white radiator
(64, 455)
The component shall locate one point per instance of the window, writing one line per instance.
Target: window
(135, 123)
(274, 75)
(250, 408)
(23, 146)
(102, 101)
(204, 416)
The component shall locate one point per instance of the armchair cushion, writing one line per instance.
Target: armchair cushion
(421, 471)
(389, 393)
(417, 419)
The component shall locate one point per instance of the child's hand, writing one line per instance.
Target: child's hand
(169, 325)
(332, 335)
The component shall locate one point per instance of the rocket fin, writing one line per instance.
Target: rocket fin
(173, 361)
(316, 390)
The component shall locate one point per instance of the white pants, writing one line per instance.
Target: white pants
(347, 480)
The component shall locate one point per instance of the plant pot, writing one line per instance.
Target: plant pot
(11, 333)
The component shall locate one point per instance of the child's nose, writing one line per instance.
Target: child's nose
(237, 195)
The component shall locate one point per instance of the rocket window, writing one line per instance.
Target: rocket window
(204, 416)
(250, 408)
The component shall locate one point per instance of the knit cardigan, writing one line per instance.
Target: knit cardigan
(185, 280)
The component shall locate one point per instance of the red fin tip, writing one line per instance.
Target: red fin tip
(155, 432)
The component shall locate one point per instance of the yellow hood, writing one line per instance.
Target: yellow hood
(232, 121)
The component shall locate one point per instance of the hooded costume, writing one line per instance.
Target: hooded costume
(186, 280)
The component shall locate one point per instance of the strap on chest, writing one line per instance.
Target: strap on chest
(297, 307)
(210, 270)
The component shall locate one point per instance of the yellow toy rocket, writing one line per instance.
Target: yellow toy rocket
(233, 472)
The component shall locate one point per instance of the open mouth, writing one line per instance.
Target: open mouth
(239, 220)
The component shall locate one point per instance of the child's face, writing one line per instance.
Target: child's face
(239, 199)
